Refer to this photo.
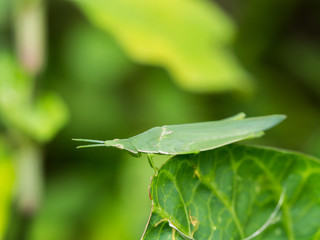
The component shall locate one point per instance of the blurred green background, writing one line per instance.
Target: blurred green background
(105, 69)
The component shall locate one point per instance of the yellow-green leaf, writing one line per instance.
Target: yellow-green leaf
(6, 186)
(191, 39)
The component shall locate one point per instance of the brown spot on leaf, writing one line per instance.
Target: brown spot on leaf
(195, 223)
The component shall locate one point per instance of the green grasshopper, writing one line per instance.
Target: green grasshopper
(192, 137)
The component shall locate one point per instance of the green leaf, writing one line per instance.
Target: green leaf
(230, 192)
(7, 177)
(191, 39)
(40, 118)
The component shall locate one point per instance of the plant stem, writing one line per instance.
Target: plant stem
(29, 19)
(29, 177)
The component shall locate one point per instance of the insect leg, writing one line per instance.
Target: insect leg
(150, 156)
